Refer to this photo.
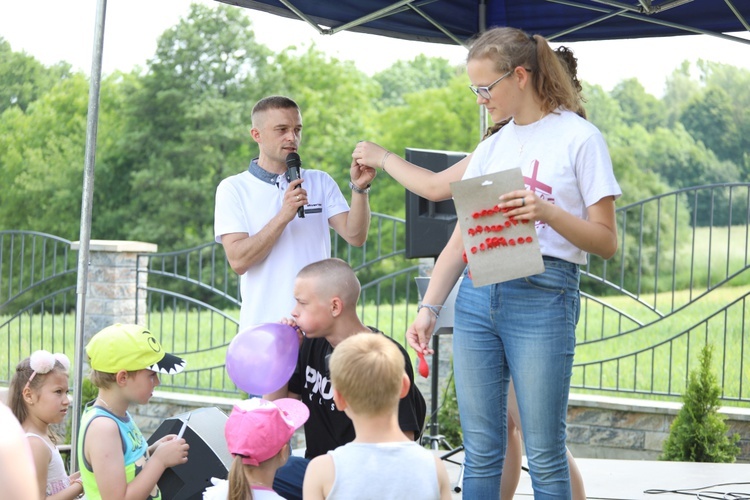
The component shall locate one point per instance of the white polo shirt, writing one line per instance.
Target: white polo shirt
(245, 203)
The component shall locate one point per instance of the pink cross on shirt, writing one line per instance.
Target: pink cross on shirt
(536, 185)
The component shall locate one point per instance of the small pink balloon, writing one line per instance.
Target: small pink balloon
(261, 359)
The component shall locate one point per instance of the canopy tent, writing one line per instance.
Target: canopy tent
(439, 21)
(456, 21)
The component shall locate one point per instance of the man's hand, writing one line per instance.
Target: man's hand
(361, 175)
(294, 197)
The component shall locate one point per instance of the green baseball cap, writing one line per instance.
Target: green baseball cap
(132, 348)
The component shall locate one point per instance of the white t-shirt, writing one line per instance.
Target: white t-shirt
(564, 160)
(245, 204)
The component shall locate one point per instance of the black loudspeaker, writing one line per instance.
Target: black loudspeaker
(429, 224)
(208, 456)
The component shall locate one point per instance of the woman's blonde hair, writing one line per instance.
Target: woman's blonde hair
(239, 488)
(509, 48)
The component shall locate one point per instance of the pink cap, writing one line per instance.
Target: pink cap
(257, 429)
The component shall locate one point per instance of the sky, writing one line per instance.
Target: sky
(63, 30)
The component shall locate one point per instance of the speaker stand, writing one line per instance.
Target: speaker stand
(435, 439)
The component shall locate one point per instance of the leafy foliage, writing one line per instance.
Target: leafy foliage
(449, 420)
(336, 102)
(23, 79)
(639, 106)
(421, 73)
(170, 133)
(41, 152)
(699, 433)
(185, 122)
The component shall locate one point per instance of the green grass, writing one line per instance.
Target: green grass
(658, 356)
(202, 337)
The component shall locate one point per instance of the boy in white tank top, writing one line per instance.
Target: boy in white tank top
(368, 378)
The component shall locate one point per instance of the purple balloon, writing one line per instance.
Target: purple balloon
(262, 358)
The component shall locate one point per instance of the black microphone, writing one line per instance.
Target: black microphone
(293, 164)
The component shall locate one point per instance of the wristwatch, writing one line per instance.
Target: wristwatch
(358, 189)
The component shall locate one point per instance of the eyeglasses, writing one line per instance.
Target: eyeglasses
(484, 92)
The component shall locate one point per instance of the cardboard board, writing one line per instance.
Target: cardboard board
(498, 248)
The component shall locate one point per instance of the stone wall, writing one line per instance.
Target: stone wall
(598, 426)
(634, 429)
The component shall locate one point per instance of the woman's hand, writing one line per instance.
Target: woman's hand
(524, 204)
(369, 154)
(362, 175)
(419, 333)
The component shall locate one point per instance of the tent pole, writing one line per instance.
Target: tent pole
(651, 20)
(737, 13)
(482, 27)
(92, 123)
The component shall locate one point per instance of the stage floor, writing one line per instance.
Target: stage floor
(630, 479)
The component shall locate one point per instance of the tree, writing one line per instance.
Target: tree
(699, 433)
(709, 119)
(42, 153)
(734, 82)
(407, 77)
(603, 110)
(444, 119)
(639, 106)
(683, 162)
(23, 79)
(638, 226)
(336, 103)
(680, 90)
(186, 126)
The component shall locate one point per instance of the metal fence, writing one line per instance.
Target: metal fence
(37, 297)
(679, 280)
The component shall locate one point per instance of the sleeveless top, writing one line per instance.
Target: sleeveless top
(134, 449)
(57, 478)
(384, 470)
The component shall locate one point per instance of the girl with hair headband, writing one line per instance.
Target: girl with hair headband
(38, 399)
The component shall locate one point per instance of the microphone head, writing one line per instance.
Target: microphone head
(293, 160)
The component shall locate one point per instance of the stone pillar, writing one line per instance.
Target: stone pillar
(111, 291)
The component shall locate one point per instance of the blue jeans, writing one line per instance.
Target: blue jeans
(524, 328)
(289, 478)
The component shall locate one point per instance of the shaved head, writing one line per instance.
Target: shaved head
(271, 102)
(333, 278)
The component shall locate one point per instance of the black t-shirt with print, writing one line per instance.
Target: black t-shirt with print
(328, 428)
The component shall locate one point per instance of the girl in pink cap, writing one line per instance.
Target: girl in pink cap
(257, 434)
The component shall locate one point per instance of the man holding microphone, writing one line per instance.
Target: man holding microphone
(272, 224)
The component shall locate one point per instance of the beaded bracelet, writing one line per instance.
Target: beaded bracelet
(435, 310)
(385, 157)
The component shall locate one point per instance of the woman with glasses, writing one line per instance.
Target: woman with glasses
(435, 186)
(524, 328)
